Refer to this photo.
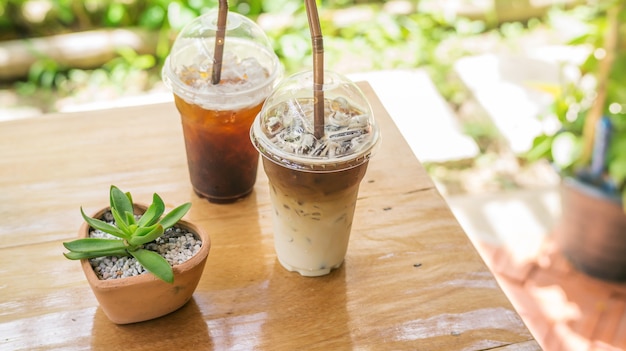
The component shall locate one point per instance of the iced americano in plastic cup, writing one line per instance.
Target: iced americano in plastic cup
(314, 182)
(216, 118)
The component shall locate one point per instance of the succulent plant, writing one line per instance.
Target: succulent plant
(133, 233)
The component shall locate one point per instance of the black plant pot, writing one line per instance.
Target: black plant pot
(592, 231)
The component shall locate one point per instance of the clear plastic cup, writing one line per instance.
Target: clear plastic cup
(216, 118)
(314, 183)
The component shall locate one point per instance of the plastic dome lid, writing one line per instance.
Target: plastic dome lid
(249, 60)
(283, 130)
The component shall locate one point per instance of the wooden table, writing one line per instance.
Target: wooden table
(411, 280)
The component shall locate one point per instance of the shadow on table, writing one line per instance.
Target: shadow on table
(184, 328)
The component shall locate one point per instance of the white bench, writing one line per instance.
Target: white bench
(422, 115)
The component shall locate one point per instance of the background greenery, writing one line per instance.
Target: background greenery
(371, 37)
(374, 35)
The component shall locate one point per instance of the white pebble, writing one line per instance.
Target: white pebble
(174, 245)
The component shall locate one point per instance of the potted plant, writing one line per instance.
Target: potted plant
(131, 281)
(589, 151)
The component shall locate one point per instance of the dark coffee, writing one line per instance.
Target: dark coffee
(222, 161)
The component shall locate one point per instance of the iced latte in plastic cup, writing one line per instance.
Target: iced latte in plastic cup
(216, 118)
(314, 182)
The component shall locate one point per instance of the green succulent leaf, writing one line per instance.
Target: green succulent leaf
(94, 244)
(120, 222)
(130, 219)
(143, 231)
(153, 213)
(148, 234)
(80, 255)
(175, 215)
(155, 263)
(102, 226)
(121, 202)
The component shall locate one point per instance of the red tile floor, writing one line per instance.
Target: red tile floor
(565, 309)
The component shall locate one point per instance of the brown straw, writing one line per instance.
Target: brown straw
(219, 42)
(318, 68)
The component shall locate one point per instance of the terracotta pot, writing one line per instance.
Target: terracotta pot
(592, 231)
(144, 297)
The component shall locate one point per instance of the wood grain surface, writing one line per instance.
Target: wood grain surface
(411, 279)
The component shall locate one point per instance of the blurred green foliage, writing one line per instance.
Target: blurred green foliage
(379, 40)
(359, 35)
(31, 18)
